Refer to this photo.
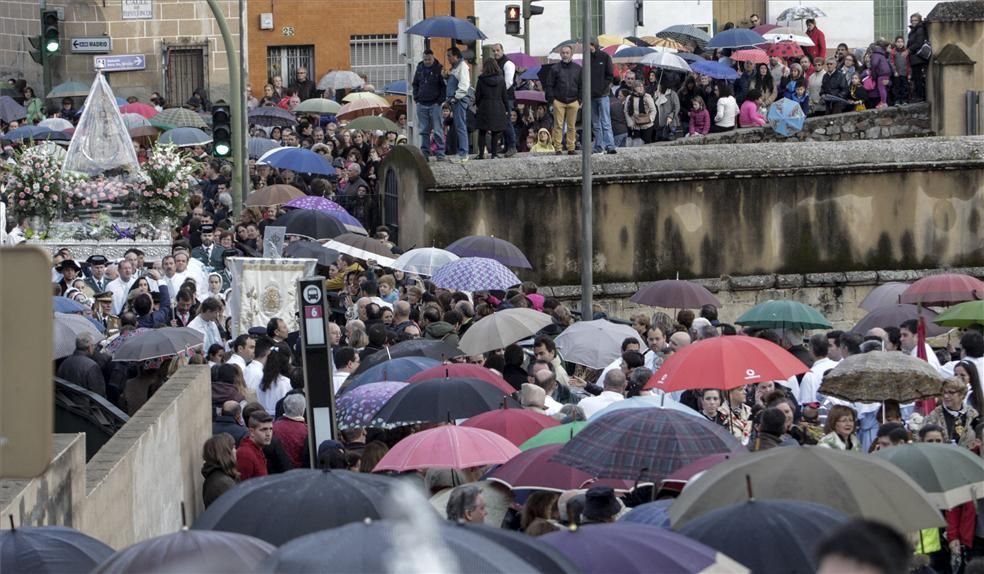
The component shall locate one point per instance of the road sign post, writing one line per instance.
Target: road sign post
(317, 364)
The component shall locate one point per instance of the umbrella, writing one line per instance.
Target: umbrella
(274, 195)
(117, 341)
(675, 294)
(438, 400)
(666, 43)
(532, 73)
(307, 249)
(532, 469)
(340, 80)
(269, 116)
(515, 425)
(256, 147)
(764, 28)
(786, 117)
(594, 344)
(491, 247)
(962, 315)
(784, 49)
(375, 546)
(317, 203)
(281, 507)
(715, 70)
(28, 132)
(683, 475)
(556, 435)
(474, 274)
(645, 402)
(66, 305)
(67, 328)
(320, 106)
(950, 474)
(146, 110)
(373, 123)
(530, 97)
(499, 383)
(297, 159)
(882, 375)
(791, 529)
(754, 55)
(359, 108)
(69, 90)
(132, 120)
(778, 34)
(50, 549)
(644, 444)
(725, 363)
(855, 484)
(187, 550)
(665, 61)
(398, 88)
(632, 55)
(447, 27)
(157, 343)
(362, 247)
(626, 547)
(800, 13)
(423, 261)
(399, 369)
(656, 513)
(690, 58)
(684, 33)
(545, 559)
(503, 328)
(413, 348)
(366, 96)
(176, 118)
(783, 314)
(56, 124)
(942, 290)
(523, 61)
(611, 40)
(149, 132)
(884, 294)
(447, 446)
(311, 224)
(895, 315)
(10, 110)
(358, 407)
(736, 38)
(185, 137)
(461, 370)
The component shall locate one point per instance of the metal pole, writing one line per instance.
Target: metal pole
(244, 76)
(587, 217)
(409, 59)
(236, 108)
(526, 36)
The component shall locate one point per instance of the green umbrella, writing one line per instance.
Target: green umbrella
(858, 485)
(318, 106)
(178, 118)
(951, 475)
(69, 90)
(555, 435)
(783, 314)
(373, 123)
(962, 315)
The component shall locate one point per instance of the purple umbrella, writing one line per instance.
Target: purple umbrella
(884, 295)
(492, 248)
(358, 407)
(522, 60)
(895, 315)
(627, 547)
(675, 294)
(328, 206)
(531, 97)
(475, 274)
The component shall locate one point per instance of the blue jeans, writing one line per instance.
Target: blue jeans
(510, 133)
(459, 111)
(601, 124)
(620, 139)
(430, 121)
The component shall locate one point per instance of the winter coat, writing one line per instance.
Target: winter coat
(749, 116)
(667, 106)
(227, 424)
(216, 483)
(917, 37)
(602, 74)
(428, 84)
(490, 100)
(727, 112)
(441, 331)
(543, 147)
(563, 83)
(250, 460)
(880, 68)
(834, 84)
(640, 111)
(80, 369)
(819, 47)
(700, 122)
(619, 125)
(834, 441)
(967, 438)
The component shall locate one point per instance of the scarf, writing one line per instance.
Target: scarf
(637, 104)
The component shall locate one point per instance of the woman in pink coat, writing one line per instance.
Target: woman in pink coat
(749, 116)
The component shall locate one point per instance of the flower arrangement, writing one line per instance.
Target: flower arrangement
(35, 185)
(92, 193)
(164, 193)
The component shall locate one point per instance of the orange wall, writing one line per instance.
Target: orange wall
(328, 25)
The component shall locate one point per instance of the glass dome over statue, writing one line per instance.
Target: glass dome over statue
(101, 144)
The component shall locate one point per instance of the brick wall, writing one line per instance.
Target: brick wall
(19, 19)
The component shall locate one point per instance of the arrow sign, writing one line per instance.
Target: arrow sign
(97, 45)
(121, 63)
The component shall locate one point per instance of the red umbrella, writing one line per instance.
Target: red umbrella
(725, 363)
(463, 370)
(146, 110)
(764, 28)
(533, 470)
(675, 294)
(944, 289)
(784, 49)
(516, 425)
(753, 55)
(530, 97)
(447, 447)
(676, 481)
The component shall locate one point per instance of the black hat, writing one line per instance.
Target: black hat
(97, 260)
(207, 228)
(600, 503)
(68, 263)
(135, 251)
(257, 331)
(104, 296)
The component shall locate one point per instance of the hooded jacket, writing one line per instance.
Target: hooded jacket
(543, 147)
(441, 331)
(216, 483)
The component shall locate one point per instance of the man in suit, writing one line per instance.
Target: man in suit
(184, 312)
(97, 279)
(208, 252)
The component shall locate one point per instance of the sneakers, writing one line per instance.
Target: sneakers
(458, 159)
(572, 152)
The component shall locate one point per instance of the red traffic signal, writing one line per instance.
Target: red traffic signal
(513, 13)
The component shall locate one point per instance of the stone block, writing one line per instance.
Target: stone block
(566, 291)
(873, 132)
(904, 275)
(713, 285)
(885, 121)
(820, 131)
(619, 288)
(848, 127)
(861, 277)
(825, 279)
(791, 281)
(752, 282)
(834, 130)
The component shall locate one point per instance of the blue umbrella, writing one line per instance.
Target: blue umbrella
(27, 133)
(256, 147)
(689, 58)
(121, 101)
(268, 116)
(66, 305)
(10, 110)
(786, 117)
(716, 70)
(652, 513)
(184, 137)
(736, 38)
(398, 87)
(447, 27)
(631, 55)
(50, 549)
(531, 74)
(475, 274)
(393, 370)
(299, 160)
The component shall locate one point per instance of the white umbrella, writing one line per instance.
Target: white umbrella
(665, 61)
(340, 80)
(56, 124)
(67, 328)
(135, 121)
(424, 261)
(501, 329)
(362, 254)
(788, 35)
(594, 344)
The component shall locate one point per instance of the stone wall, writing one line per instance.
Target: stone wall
(19, 20)
(56, 497)
(893, 122)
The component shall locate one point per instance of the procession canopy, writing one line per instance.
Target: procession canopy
(101, 142)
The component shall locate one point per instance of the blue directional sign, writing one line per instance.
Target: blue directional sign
(121, 63)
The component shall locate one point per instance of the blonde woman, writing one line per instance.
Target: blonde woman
(956, 418)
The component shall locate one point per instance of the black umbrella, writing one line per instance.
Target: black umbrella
(281, 507)
(791, 529)
(307, 249)
(53, 549)
(157, 343)
(413, 348)
(189, 551)
(310, 223)
(362, 547)
(438, 400)
(546, 559)
(894, 315)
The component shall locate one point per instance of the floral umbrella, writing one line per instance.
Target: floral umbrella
(358, 407)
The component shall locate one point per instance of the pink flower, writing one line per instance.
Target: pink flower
(22, 203)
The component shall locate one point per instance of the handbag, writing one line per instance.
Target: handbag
(926, 51)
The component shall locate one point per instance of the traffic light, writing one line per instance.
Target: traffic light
(640, 17)
(35, 50)
(472, 47)
(530, 9)
(49, 32)
(513, 14)
(221, 130)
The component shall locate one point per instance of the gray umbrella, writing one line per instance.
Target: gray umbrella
(158, 343)
(594, 344)
(256, 147)
(184, 137)
(10, 110)
(895, 315)
(190, 551)
(883, 295)
(67, 328)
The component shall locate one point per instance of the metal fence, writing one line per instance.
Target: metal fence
(284, 61)
(377, 58)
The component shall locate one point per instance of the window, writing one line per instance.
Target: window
(377, 58)
(597, 18)
(890, 19)
(284, 61)
(186, 67)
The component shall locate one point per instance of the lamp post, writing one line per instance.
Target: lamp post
(587, 216)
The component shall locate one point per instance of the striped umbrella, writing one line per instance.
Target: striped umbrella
(475, 274)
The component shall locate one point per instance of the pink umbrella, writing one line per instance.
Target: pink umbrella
(530, 97)
(463, 370)
(764, 28)
(515, 425)
(145, 110)
(447, 447)
(755, 55)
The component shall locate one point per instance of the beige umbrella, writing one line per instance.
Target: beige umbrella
(880, 376)
(366, 97)
(273, 195)
(363, 107)
(501, 329)
(497, 497)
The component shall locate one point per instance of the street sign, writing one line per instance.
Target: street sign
(97, 45)
(316, 364)
(138, 9)
(122, 63)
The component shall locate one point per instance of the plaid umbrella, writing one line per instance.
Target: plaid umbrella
(644, 444)
(177, 118)
(784, 49)
(359, 407)
(533, 470)
(269, 116)
(475, 274)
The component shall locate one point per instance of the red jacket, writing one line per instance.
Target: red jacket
(294, 436)
(819, 49)
(250, 460)
(961, 521)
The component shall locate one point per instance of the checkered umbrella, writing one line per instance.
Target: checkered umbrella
(644, 444)
(475, 274)
(178, 118)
